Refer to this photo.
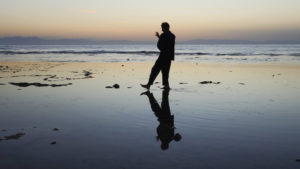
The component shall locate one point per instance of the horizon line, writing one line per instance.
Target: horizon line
(100, 40)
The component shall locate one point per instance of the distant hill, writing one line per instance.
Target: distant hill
(17, 40)
(217, 41)
(225, 41)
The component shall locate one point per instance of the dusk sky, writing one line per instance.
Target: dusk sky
(139, 19)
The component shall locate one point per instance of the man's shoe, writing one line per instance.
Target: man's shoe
(145, 86)
(166, 87)
(146, 93)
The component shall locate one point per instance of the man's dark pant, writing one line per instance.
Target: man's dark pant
(164, 67)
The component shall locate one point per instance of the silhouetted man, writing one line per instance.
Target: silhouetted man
(166, 45)
(165, 129)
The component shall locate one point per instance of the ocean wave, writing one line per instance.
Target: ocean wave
(233, 54)
(295, 54)
(98, 52)
(9, 52)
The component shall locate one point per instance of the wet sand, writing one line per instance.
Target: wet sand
(91, 115)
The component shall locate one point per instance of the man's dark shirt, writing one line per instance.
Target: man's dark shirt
(166, 45)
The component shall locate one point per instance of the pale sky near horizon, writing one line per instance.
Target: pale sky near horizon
(139, 19)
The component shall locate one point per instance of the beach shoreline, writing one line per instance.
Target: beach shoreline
(241, 115)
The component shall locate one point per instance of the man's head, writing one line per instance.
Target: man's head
(165, 27)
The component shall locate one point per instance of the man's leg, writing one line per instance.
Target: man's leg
(154, 72)
(165, 73)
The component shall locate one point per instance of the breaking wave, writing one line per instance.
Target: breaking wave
(98, 52)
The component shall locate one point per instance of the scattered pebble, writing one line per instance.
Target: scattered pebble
(116, 86)
(242, 83)
(87, 74)
(183, 83)
(55, 129)
(53, 142)
(298, 160)
(3, 130)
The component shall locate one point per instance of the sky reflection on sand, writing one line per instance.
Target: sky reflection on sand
(226, 125)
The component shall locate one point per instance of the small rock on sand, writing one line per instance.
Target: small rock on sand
(55, 129)
(298, 160)
(182, 83)
(116, 86)
(87, 73)
(242, 83)
(3, 130)
(53, 142)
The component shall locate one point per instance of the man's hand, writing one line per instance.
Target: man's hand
(157, 34)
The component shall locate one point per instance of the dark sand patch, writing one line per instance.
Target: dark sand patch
(2, 84)
(53, 142)
(209, 82)
(14, 136)
(25, 84)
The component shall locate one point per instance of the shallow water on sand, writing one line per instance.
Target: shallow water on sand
(249, 120)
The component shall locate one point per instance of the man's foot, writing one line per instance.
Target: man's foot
(146, 93)
(166, 87)
(145, 86)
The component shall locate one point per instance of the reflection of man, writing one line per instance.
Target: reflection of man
(166, 45)
(165, 129)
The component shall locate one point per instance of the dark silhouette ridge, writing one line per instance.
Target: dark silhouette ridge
(19, 40)
(166, 46)
(165, 129)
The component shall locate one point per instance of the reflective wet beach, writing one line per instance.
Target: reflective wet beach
(249, 120)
